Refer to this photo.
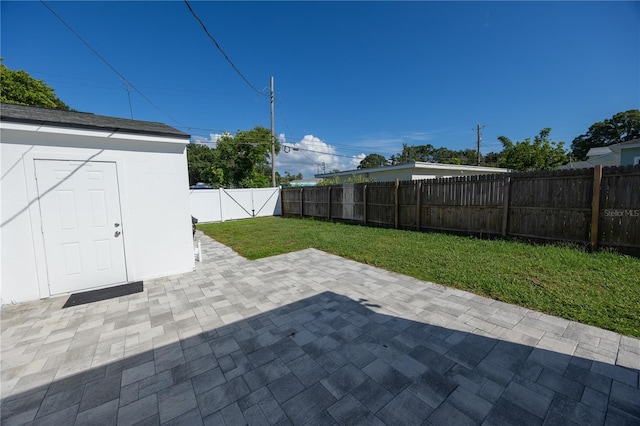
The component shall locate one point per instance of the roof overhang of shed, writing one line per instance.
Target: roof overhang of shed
(32, 118)
(94, 133)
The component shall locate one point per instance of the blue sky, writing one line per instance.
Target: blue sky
(351, 78)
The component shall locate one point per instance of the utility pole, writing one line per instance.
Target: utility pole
(273, 141)
(477, 129)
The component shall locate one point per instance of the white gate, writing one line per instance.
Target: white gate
(81, 224)
(217, 205)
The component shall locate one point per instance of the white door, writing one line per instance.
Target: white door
(81, 224)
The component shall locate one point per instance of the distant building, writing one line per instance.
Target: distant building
(413, 171)
(305, 182)
(620, 154)
(201, 185)
(629, 152)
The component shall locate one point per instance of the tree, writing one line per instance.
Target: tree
(287, 178)
(373, 160)
(445, 155)
(336, 180)
(200, 162)
(414, 153)
(465, 157)
(541, 154)
(622, 127)
(431, 154)
(492, 159)
(469, 157)
(19, 88)
(243, 160)
(240, 161)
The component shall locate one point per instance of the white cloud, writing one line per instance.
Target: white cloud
(211, 142)
(311, 156)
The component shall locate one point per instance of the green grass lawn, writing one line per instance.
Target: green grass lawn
(600, 289)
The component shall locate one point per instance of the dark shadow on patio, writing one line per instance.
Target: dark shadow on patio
(328, 359)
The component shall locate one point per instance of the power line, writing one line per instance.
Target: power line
(129, 96)
(220, 49)
(321, 144)
(106, 62)
(322, 152)
(311, 160)
(107, 84)
(220, 131)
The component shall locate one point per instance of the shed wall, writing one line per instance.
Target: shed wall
(154, 195)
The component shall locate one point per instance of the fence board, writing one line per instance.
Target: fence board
(619, 219)
(545, 206)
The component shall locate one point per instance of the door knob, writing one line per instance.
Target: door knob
(117, 234)
(116, 224)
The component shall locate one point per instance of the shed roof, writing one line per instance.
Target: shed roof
(83, 120)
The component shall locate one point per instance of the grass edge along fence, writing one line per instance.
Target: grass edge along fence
(597, 207)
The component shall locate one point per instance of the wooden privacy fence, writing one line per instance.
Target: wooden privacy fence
(599, 207)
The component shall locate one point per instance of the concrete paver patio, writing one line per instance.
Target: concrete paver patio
(308, 338)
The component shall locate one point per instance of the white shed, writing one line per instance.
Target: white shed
(89, 202)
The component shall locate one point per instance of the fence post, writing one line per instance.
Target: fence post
(364, 199)
(220, 191)
(418, 207)
(329, 203)
(505, 210)
(595, 206)
(253, 206)
(301, 202)
(397, 204)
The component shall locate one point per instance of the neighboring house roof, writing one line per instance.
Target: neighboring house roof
(598, 151)
(83, 120)
(607, 160)
(418, 165)
(635, 143)
(598, 155)
(608, 156)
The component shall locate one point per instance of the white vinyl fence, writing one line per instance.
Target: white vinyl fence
(218, 205)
